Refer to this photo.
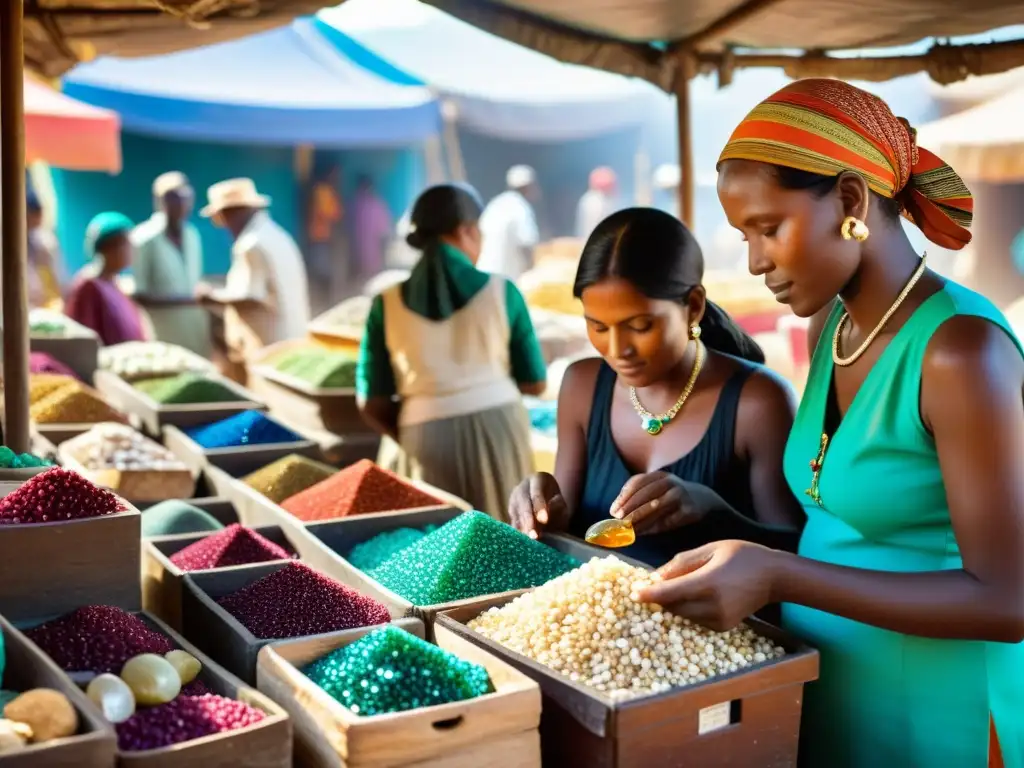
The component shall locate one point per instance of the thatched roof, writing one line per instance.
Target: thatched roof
(617, 34)
(60, 33)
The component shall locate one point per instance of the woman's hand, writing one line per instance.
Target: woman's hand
(657, 502)
(535, 503)
(718, 585)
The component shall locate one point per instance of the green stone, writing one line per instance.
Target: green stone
(653, 426)
(373, 552)
(7, 457)
(174, 517)
(391, 670)
(186, 388)
(3, 661)
(318, 367)
(469, 556)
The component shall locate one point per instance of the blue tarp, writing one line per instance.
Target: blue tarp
(500, 89)
(287, 86)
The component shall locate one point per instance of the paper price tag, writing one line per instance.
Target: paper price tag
(714, 717)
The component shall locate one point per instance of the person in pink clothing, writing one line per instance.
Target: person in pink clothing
(371, 228)
(95, 300)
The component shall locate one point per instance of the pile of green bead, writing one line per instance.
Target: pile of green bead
(384, 546)
(11, 460)
(186, 388)
(390, 670)
(470, 556)
(318, 367)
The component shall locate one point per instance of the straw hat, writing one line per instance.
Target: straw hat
(233, 193)
(172, 181)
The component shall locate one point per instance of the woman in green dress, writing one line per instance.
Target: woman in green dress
(906, 450)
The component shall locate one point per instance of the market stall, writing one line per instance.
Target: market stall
(69, 134)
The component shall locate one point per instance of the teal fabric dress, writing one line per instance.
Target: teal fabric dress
(883, 699)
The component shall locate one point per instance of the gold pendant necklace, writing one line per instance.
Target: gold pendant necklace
(652, 424)
(845, 361)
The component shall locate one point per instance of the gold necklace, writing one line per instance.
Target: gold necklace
(845, 361)
(652, 424)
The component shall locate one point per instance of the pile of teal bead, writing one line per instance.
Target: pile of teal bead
(469, 556)
(372, 552)
(391, 670)
(11, 460)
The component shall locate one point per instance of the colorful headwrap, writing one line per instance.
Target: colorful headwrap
(102, 226)
(827, 126)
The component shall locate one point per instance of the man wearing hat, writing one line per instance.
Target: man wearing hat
(169, 264)
(266, 295)
(508, 226)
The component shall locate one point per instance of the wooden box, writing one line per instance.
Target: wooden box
(497, 730)
(330, 410)
(55, 434)
(195, 457)
(153, 416)
(95, 745)
(749, 718)
(162, 579)
(132, 484)
(79, 350)
(222, 636)
(47, 569)
(267, 744)
(337, 538)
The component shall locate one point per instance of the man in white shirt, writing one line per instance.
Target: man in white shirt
(266, 295)
(598, 202)
(509, 226)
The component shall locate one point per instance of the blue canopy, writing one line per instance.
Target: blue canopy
(286, 86)
(499, 88)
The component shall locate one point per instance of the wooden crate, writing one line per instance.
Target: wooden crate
(79, 351)
(132, 484)
(497, 730)
(195, 457)
(55, 434)
(47, 569)
(267, 744)
(222, 636)
(95, 745)
(153, 416)
(328, 410)
(162, 579)
(337, 538)
(749, 718)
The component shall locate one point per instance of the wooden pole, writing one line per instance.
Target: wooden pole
(13, 236)
(684, 71)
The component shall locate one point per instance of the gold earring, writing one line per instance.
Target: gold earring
(695, 332)
(853, 228)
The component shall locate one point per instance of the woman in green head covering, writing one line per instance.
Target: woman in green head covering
(446, 356)
(95, 299)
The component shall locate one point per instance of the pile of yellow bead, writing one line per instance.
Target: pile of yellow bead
(588, 626)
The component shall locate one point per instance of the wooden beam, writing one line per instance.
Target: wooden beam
(684, 118)
(13, 235)
(723, 24)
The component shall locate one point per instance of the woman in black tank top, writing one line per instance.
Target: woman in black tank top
(679, 428)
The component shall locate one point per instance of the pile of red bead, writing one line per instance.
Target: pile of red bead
(97, 638)
(184, 719)
(235, 545)
(296, 601)
(55, 495)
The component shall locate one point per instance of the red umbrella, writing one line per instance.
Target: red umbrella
(70, 134)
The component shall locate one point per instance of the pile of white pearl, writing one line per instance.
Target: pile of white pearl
(139, 359)
(116, 446)
(588, 625)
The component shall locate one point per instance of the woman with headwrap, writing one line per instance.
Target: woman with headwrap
(95, 300)
(906, 450)
(445, 357)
